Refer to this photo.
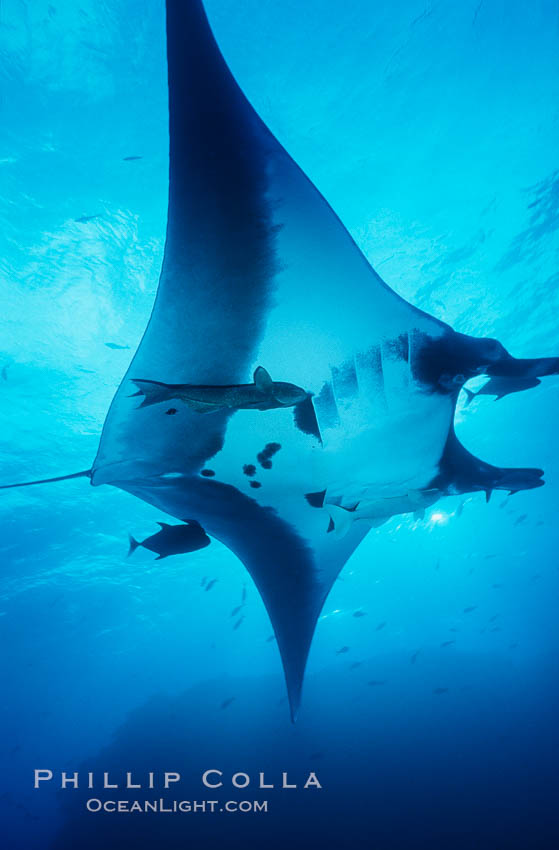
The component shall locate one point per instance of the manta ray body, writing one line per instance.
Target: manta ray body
(258, 271)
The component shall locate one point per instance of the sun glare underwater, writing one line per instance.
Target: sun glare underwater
(429, 707)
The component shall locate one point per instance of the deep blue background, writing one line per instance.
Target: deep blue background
(433, 131)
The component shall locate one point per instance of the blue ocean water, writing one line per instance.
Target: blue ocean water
(432, 129)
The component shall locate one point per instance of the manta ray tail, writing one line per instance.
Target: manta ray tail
(153, 392)
(86, 473)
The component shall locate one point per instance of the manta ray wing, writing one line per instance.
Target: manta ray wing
(292, 566)
(256, 268)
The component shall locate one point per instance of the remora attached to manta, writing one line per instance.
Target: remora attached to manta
(262, 394)
(255, 263)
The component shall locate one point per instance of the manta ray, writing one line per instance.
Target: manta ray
(259, 272)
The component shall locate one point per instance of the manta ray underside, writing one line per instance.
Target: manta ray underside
(259, 272)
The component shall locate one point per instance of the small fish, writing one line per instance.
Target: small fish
(171, 411)
(359, 613)
(496, 586)
(375, 683)
(5, 372)
(355, 665)
(131, 158)
(244, 594)
(380, 626)
(116, 347)
(173, 540)
(235, 611)
(501, 387)
(238, 623)
(378, 511)
(469, 609)
(413, 657)
(440, 690)
(447, 643)
(270, 639)
(203, 582)
(262, 394)
(522, 518)
(227, 702)
(342, 650)
(211, 584)
(493, 618)
(85, 218)
(56, 600)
